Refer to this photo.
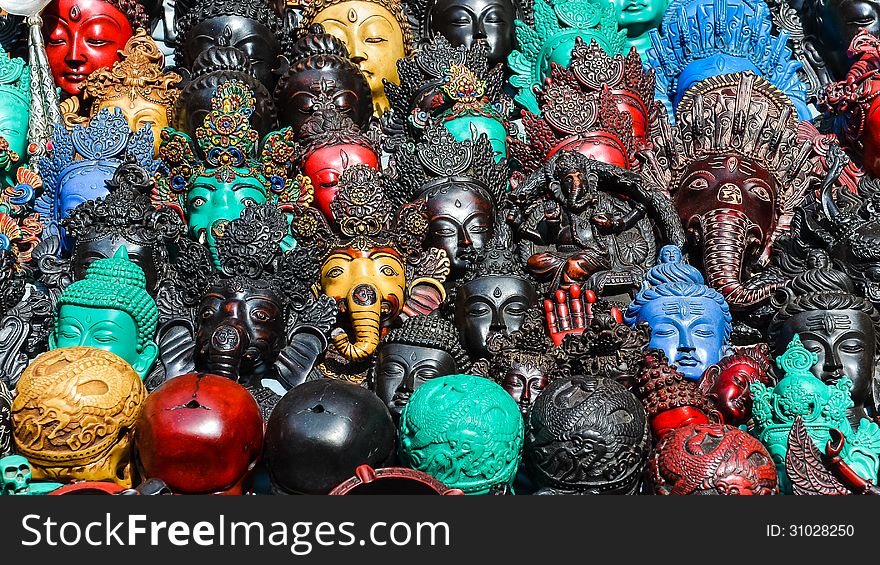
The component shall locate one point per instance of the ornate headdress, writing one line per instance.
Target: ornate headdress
(15, 77)
(251, 9)
(138, 73)
(396, 7)
(328, 127)
(18, 237)
(556, 23)
(107, 141)
(230, 145)
(662, 387)
(452, 76)
(529, 346)
(433, 332)
(439, 160)
(740, 114)
(737, 28)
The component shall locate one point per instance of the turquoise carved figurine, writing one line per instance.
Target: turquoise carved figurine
(15, 96)
(821, 406)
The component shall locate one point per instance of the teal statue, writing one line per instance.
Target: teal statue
(15, 101)
(704, 38)
(465, 431)
(689, 321)
(208, 194)
(110, 309)
(821, 406)
(557, 25)
(82, 160)
(638, 18)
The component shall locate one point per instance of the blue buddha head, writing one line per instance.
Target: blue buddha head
(706, 38)
(83, 160)
(689, 321)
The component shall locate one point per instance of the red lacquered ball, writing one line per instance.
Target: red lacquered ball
(199, 433)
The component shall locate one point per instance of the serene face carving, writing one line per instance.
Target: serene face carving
(211, 203)
(841, 21)
(84, 182)
(731, 394)
(325, 165)
(401, 369)
(140, 112)
(491, 303)
(103, 328)
(714, 65)
(690, 330)
(844, 342)
(370, 287)
(82, 36)
(296, 100)
(241, 332)
(462, 220)
(732, 183)
(637, 17)
(14, 113)
(374, 41)
(524, 382)
(470, 128)
(251, 37)
(85, 252)
(464, 22)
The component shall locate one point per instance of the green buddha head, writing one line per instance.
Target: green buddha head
(212, 192)
(15, 95)
(110, 309)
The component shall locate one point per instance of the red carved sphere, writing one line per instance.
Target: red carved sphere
(200, 433)
(712, 459)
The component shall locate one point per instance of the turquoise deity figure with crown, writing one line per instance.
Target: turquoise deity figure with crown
(700, 39)
(821, 406)
(208, 194)
(557, 25)
(110, 309)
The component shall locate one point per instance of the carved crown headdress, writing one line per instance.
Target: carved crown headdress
(738, 28)
(106, 140)
(230, 146)
(741, 114)
(436, 69)
(138, 73)
(556, 23)
(440, 159)
(251, 9)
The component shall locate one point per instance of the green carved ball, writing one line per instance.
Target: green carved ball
(465, 431)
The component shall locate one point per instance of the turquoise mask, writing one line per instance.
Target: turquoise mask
(15, 94)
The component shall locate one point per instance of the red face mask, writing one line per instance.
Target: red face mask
(81, 37)
(325, 165)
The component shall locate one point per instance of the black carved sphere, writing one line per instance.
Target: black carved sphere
(321, 431)
(587, 435)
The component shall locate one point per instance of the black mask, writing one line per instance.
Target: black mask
(464, 22)
(401, 369)
(491, 303)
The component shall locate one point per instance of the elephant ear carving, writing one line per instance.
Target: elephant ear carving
(432, 265)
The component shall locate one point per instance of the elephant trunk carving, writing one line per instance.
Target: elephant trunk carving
(225, 349)
(365, 309)
(726, 238)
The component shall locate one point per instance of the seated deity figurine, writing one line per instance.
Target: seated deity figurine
(251, 26)
(15, 101)
(700, 39)
(110, 309)
(835, 324)
(136, 85)
(423, 348)
(376, 33)
(83, 36)
(689, 321)
(558, 24)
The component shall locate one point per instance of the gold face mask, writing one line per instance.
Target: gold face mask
(371, 286)
(375, 40)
